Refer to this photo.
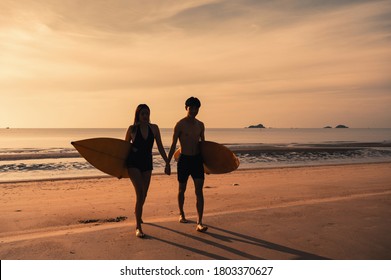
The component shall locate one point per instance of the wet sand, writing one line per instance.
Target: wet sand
(323, 212)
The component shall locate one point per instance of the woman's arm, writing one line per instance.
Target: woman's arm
(159, 144)
(160, 147)
(128, 136)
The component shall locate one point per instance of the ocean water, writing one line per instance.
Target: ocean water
(35, 154)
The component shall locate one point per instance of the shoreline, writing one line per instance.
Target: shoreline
(69, 152)
(54, 179)
(46, 164)
(321, 212)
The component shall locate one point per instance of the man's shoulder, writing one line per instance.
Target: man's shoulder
(200, 122)
(184, 123)
(181, 122)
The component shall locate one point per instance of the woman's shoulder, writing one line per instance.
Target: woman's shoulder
(133, 128)
(154, 126)
(155, 129)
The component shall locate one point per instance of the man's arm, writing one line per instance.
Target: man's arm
(174, 142)
(202, 135)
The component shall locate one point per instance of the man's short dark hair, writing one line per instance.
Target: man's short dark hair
(193, 101)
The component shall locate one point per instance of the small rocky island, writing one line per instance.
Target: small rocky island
(338, 126)
(341, 126)
(256, 126)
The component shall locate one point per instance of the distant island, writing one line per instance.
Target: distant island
(256, 126)
(262, 126)
(338, 126)
(341, 126)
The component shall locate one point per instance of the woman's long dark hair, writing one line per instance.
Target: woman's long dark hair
(137, 114)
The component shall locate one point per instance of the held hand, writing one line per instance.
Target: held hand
(167, 170)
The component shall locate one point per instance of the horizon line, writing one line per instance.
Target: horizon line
(10, 128)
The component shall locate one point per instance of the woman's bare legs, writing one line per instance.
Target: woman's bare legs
(140, 181)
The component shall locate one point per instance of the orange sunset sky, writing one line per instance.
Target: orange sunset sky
(287, 63)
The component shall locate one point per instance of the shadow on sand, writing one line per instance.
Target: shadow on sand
(223, 235)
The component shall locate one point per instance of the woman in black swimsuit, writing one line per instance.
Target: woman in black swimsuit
(142, 134)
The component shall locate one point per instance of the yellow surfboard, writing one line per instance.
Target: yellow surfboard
(106, 154)
(217, 158)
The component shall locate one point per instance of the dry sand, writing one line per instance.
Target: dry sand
(324, 212)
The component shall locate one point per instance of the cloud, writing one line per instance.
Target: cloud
(237, 50)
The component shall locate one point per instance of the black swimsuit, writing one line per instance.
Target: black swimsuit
(141, 155)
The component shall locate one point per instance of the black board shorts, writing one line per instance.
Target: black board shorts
(141, 161)
(190, 165)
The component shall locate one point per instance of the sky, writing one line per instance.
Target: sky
(283, 63)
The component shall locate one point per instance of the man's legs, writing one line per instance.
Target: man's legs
(181, 201)
(183, 175)
(199, 184)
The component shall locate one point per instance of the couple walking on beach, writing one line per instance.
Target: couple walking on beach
(142, 135)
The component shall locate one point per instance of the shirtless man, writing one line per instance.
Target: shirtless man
(190, 132)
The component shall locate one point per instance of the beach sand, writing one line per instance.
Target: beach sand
(323, 212)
